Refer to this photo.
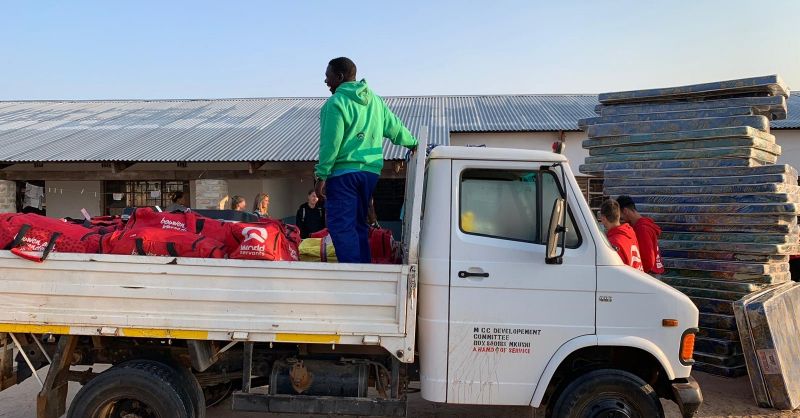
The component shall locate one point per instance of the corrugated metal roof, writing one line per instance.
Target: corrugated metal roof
(792, 120)
(269, 129)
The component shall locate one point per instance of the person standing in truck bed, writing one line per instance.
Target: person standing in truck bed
(353, 123)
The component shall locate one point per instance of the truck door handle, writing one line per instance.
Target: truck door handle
(464, 274)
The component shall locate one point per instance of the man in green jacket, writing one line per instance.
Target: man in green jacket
(353, 123)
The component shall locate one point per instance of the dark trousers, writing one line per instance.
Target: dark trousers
(347, 204)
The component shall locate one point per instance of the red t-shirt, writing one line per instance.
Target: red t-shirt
(623, 239)
(647, 233)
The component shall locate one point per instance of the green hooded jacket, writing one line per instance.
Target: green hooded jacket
(353, 123)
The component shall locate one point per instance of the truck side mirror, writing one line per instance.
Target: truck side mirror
(555, 233)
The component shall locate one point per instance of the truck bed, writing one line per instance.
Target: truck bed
(223, 299)
(209, 299)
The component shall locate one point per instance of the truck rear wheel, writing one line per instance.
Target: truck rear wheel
(608, 393)
(134, 389)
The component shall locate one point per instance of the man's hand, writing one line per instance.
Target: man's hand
(319, 189)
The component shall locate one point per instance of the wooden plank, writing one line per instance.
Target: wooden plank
(684, 114)
(716, 153)
(771, 85)
(773, 330)
(602, 167)
(631, 128)
(679, 136)
(7, 376)
(724, 266)
(756, 143)
(704, 172)
(51, 400)
(773, 107)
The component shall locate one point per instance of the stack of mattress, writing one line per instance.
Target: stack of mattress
(700, 161)
(770, 329)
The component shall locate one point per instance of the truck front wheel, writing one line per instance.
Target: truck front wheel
(608, 393)
(138, 388)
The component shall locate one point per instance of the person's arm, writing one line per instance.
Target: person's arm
(647, 250)
(330, 140)
(395, 131)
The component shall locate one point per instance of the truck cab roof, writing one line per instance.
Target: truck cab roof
(494, 154)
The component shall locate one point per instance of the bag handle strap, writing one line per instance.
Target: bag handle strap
(171, 249)
(23, 230)
(50, 245)
(140, 246)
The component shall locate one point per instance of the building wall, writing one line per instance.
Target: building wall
(789, 140)
(67, 198)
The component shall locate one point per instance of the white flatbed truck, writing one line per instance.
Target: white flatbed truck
(509, 295)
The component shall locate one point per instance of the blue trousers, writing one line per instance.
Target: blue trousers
(347, 205)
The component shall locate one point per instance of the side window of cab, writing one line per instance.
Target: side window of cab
(511, 204)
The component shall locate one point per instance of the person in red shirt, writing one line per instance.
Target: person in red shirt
(647, 233)
(621, 236)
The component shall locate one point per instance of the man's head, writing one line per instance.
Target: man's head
(627, 210)
(609, 214)
(339, 70)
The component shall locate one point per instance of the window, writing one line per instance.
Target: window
(122, 194)
(514, 205)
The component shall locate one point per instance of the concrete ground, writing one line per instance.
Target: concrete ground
(727, 398)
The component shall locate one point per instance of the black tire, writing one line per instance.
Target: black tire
(608, 393)
(195, 391)
(141, 387)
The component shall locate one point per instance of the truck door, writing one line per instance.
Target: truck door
(509, 310)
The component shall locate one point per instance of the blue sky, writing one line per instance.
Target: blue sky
(200, 49)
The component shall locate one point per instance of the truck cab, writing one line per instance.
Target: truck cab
(503, 322)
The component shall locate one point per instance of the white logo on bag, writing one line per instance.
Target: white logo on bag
(258, 234)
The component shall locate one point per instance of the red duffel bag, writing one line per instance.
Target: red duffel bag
(382, 246)
(34, 237)
(217, 230)
(149, 218)
(100, 224)
(161, 242)
(269, 239)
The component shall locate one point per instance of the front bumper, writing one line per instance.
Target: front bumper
(686, 393)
